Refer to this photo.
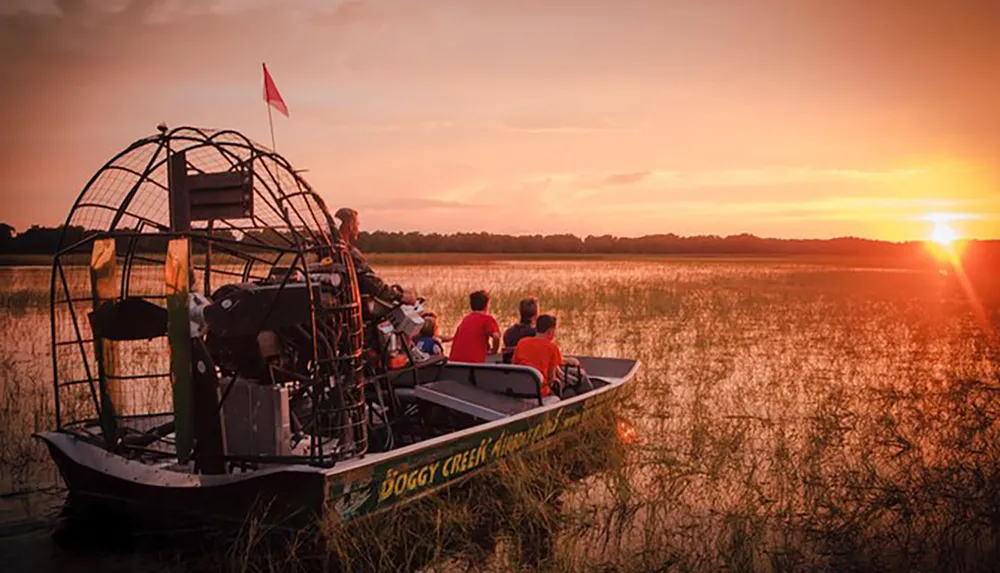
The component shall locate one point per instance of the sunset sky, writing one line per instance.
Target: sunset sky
(783, 118)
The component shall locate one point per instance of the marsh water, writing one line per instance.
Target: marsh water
(789, 415)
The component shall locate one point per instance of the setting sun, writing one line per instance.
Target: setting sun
(943, 234)
(944, 241)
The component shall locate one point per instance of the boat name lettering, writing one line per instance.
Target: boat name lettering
(467, 460)
(401, 483)
(506, 444)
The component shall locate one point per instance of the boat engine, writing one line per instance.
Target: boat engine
(262, 337)
(251, 330)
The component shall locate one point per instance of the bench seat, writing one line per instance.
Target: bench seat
(466, 398)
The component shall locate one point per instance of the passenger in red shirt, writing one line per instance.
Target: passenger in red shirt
(478, 334)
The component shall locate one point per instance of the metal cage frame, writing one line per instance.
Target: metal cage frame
(129, 203)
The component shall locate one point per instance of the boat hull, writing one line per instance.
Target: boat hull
(409, 475)
(294, 496)
(284, 498)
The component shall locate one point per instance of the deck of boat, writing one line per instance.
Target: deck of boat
(493, 391)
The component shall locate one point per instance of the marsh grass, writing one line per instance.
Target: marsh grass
(793, 416)
(25, 407)
(510, 516)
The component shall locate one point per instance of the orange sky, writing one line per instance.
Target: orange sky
(775, 117)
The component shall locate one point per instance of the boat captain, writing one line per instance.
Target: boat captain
(369, 283)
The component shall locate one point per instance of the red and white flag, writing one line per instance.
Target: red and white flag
(271, 95)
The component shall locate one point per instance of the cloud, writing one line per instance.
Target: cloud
(958, 216)
(591, 183)
(779, 175)
(389, 124)
(555, 123)
(655, 186)
(626, 178)
(416, 204)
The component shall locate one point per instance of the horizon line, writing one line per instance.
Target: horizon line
(17, 233)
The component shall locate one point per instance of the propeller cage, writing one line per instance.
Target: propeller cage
(195, 268)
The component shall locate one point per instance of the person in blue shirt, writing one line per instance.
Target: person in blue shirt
(428, 341)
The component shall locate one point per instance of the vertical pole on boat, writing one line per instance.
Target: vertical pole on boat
(207, 289)
(104, 290)
(179, 338)
(197, 420)
(178, 281)
(197, 423)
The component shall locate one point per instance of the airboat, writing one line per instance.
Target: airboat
(213, 355)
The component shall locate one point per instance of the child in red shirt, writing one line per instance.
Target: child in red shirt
(478, 334)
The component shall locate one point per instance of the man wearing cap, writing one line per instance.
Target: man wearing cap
(368, 282)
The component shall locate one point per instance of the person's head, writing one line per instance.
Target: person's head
(430, 324)
(479, 301)
(528, 309)
(349, 224)
(545, 326)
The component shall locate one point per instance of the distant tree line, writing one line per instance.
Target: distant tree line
(46, 240)
(666, 244)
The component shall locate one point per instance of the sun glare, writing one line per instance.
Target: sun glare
(944, 241)
(943, 234)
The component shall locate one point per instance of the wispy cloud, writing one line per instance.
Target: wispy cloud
(625, 178)
(777, 176)
(662, 186)
(416, 204)
(559, 123)
(951, 216)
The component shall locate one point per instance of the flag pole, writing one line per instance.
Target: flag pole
(270, 122)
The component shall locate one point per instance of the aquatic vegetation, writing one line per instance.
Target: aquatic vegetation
(789, 415)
